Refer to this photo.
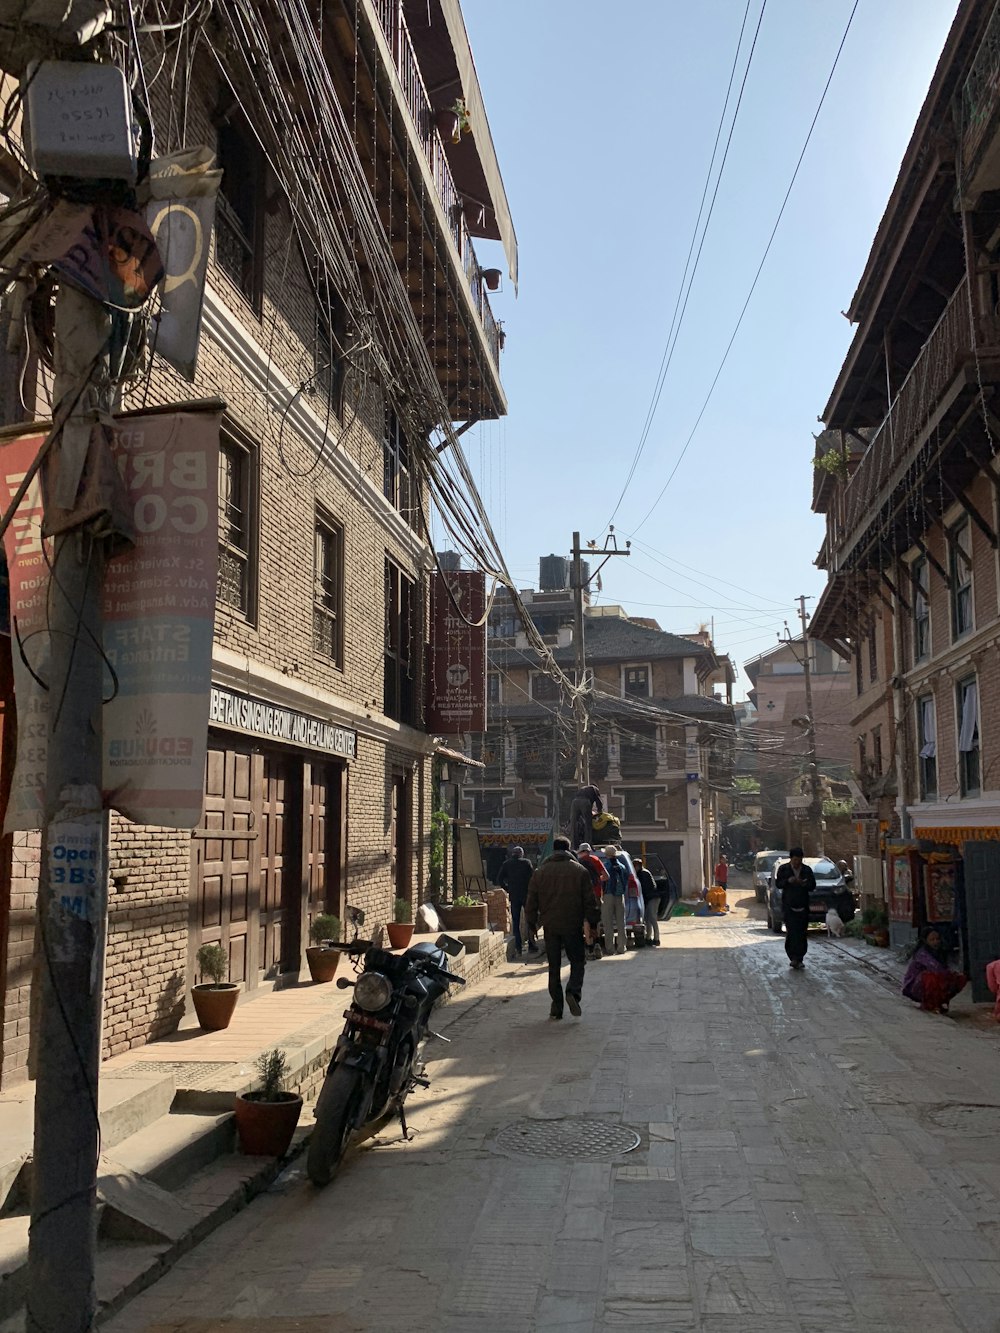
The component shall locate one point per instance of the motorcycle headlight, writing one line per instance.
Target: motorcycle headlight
(372, 991)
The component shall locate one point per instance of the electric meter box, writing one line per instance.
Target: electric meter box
(78, 121)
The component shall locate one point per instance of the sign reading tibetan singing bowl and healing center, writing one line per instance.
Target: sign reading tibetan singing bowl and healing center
(456, 678)
(158, 616)
(257, 717)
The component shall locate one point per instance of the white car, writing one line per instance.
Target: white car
(763, 864)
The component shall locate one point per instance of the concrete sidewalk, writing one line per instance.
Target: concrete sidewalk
(170, 1172)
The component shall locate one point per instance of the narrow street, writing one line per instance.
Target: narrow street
(815, 1155)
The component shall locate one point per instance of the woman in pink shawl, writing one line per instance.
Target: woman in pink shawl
(928, 979)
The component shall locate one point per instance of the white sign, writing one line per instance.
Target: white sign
(798, 802)
(257, 717)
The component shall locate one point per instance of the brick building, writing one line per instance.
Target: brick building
(662, 727)
(779, 734)
(907, 479)
(345, 318)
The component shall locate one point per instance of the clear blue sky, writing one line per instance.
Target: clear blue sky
(604, 118)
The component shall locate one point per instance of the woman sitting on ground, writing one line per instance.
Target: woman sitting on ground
(928, 979)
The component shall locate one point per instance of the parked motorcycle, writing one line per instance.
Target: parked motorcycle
(378, 1057)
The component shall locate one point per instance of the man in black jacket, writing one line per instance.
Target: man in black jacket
(795, 882)
(561, 896)
(514, 875)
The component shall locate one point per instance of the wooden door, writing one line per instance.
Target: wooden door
(321, 869)
(224, 852)
(399, 838)
(277, 865)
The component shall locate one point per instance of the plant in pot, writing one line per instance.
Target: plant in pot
(466, 913)
(215, 1000)
(881, 927)
(267, 1116)
(324, 930)
(400, 930)
(868, 918)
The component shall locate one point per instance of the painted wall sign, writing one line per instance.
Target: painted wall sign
(257, 717)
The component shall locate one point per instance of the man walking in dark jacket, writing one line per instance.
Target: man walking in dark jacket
(795, 881)
(561, 896)
(514, 875)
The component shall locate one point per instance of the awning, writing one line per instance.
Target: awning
(456, 756)
(956, 836)
(437, 30)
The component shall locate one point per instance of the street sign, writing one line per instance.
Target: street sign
(798, 802)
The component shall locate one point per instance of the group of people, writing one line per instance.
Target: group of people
(570, 894)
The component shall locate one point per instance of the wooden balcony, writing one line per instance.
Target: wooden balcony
(930, 444)
(977, 111)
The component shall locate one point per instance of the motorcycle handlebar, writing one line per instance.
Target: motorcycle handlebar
(353, 947)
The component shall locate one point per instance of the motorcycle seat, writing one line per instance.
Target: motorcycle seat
(425, 951)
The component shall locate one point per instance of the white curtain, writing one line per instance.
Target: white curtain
(927, 730)
(967, 737)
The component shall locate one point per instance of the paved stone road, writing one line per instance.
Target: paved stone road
(816, 1155)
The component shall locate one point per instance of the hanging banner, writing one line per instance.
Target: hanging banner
(181, 214)
(456, 676)
(28, 575)
(159, 612)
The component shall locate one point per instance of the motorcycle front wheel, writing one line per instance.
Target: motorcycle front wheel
(334, 1122)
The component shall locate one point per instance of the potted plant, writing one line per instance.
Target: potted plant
(881, 927)
(324, 930)
(465, 913)
(868, 917)
(267, 1116)
(400, 929)
(492, 276)
(215, 1000)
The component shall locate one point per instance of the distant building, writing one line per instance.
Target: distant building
(661, 744)
(779, 733)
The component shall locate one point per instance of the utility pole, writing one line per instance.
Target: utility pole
(815, 804)
(72, 884)
(581, 712)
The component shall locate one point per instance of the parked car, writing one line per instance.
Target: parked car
(830, 884)
(763, 864)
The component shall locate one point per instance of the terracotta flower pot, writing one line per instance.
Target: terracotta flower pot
(322, 962)
(215, 1005)
(882, 939)
(266, 1128)
(400, 933)
(491, 276)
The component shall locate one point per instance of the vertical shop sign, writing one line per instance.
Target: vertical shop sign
(159, 610)
(456, 678)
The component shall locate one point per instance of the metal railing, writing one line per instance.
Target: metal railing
(981, 91)
(393, 25)
(910, 410)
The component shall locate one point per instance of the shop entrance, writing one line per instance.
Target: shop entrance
(399, 840)
(268, 856)
(982, 912)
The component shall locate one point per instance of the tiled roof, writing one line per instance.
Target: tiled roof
(610, 640)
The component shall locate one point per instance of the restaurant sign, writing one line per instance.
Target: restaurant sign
(456, 679)
(257, 717)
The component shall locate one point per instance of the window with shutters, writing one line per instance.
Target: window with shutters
(960, 549)
(237, 524)
(239, 216)
(401, 647)
(544, 689)
(921, 611)
(328, 590)
(967, 699)
(927, 747)
(635, 682)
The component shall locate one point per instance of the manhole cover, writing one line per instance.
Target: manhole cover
(187, 1071)
(981, 1121)
(577, 1139)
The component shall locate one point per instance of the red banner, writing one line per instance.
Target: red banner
(456, 676)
